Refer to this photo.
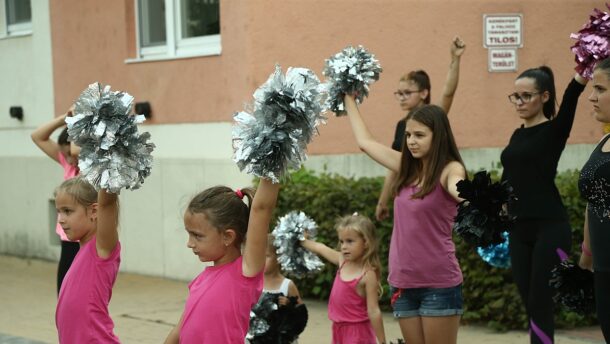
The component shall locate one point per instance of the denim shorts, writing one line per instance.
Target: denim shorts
(427, 302)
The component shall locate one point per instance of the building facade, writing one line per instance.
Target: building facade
(196, 62)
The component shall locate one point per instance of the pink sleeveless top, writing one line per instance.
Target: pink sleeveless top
(82, 309)
(218, 307)
(344, 304)
(422, 253)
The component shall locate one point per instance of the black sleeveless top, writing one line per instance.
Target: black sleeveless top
(594, 186)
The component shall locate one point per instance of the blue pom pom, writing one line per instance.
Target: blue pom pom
(496, 255)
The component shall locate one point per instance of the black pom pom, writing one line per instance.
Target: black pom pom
(573, 287)
(481, 217)
(273, 324)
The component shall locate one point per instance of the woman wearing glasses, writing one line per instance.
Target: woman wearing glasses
(530, 165)
(413, 92)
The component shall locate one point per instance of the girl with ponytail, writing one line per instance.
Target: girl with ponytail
(530, 164)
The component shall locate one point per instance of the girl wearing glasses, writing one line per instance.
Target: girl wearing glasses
(414, 91)
(594, 185)
(530, 165)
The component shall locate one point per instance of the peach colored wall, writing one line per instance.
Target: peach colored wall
(91, 41)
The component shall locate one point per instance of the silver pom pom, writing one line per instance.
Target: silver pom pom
(113, 154)
(350, 71)
(288, 234)
(286, 112)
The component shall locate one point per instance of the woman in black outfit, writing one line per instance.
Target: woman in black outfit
(530, 165)
(594, 185)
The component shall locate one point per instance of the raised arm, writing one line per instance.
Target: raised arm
(453, 75)
(385, 156)
(322, 250)
(579, 79)
(261, 210)
(107, 223)
(42, 136)
(567, 109)
(74, 150)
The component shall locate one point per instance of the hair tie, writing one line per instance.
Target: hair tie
(239, 193)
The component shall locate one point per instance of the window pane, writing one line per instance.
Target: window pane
(200, 18)
(18, 11)
(152, 22)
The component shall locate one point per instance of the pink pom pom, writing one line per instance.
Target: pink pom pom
(592, 42)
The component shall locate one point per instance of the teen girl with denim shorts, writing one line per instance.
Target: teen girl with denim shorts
(423, 271)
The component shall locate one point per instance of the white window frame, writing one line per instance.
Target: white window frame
(175, 46)
(13, 30)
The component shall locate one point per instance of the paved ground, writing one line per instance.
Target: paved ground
(145, 308)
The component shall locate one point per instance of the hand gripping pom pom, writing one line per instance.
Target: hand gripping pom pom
(496, 255)
(481, 218)
(574, 287)
(288, 233)
(592, 43)
(350, 71)
(286, 113)
(260, 316)
(113, 154)
(271, 323)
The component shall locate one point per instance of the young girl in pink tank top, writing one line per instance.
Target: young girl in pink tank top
(424, 273)
(353, 306)
(91, 218)
(218, 306)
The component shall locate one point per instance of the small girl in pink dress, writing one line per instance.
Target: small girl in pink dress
(353, 306)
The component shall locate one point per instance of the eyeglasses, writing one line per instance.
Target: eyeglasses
(404, 94)
(525, 97)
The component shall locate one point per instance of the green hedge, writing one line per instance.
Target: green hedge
(490, 296)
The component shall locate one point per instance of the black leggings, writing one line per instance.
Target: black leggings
(602, 301)
(533, 252)
(68, 252)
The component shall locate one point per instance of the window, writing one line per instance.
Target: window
(178, 28)
(18, 17)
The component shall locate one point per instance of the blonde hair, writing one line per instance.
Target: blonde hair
(80, 189)
(365, 227)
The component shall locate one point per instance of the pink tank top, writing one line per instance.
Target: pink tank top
(69, 172)
(218, 307)
(344, 304)
(82, 309)
(422, 253)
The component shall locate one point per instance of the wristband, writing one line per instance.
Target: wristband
(585, 251)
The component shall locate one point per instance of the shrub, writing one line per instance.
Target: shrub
(490, 296)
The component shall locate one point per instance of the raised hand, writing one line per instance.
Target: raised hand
(457, 47)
